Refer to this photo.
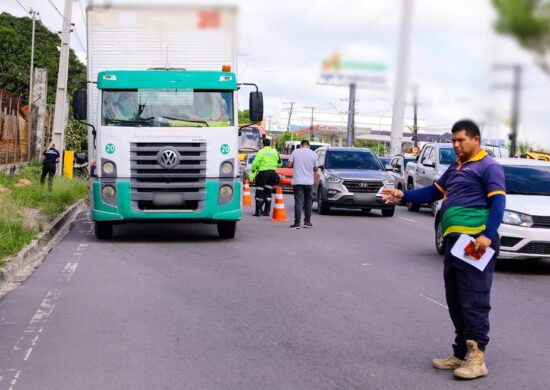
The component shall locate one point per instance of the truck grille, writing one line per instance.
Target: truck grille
(541, 222)
(363, 186)
(157, 186)
(536, 248)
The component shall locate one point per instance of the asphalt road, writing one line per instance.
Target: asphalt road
(357, 302)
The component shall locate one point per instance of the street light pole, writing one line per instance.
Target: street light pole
(311, 125)
(351, 116)
(289, 115)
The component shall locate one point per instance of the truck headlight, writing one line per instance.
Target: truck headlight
(517, 219)
(333, 179)
(108, 168)
(227, 168)
(108, 192)
(226, 192)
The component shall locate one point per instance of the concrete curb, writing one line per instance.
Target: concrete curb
(29, 258)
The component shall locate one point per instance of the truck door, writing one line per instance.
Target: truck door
(426, 168)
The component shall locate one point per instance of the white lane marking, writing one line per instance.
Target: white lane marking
(69, 270)
(15, 378)
(434, 301)
(366, 264)
(46, 307)
(407, 219)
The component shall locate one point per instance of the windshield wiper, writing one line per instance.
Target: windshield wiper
(139, 121)
(185, 120)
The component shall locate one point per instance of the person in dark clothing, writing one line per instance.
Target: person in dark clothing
(474, 199)
(50, 158)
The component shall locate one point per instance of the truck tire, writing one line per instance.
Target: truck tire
(227, 229)
(103, 230)
(412, 206)
(440, 241)
(388, 212)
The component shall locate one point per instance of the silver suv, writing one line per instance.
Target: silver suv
(350, 178)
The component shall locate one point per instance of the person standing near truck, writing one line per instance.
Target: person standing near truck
(475, 198)
(263, 173)
(50, 158)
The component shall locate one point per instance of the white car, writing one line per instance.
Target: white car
(525, 228)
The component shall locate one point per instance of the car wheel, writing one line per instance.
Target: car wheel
(440, 241)
(227, 229)
(388, 212)
(103, 230)
(412, 206)
(322, 207)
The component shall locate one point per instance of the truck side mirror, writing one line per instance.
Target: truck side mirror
(80, 104)
(256, 107)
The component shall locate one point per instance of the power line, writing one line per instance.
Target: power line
(21, 5)
(79, 41)
(82, 12)
(58, 11)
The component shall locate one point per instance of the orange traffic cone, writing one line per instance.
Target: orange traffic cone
(247, 198)
(279, 213)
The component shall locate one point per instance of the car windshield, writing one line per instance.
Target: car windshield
(528, 180)
(251, 158)
(314, 147)
(352, 160)
(167, 108)
(447, 156)
(408, 160)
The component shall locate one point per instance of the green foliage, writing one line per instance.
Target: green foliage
(76, 136)
(529, 22)
(244, 117)
(377, 147)
(15, 46)
(13, 233)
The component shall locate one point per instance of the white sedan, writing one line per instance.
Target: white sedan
(525, 228)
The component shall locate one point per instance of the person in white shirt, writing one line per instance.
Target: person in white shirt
(304, 163)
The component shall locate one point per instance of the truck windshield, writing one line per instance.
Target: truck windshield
(447, 156)
(528, 180)
(352, 160)
(250, 139)
(167, 108)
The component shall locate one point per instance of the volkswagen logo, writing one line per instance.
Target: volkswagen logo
(363, 184)
(168, 158)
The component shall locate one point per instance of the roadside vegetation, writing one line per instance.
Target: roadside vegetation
(26, 207)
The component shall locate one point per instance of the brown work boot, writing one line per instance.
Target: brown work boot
(449, 363)
(474, 365)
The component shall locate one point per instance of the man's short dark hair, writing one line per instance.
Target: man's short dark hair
(468, 126)
(304, 142)
(266, 142)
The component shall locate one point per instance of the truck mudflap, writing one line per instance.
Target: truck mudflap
(122, 209)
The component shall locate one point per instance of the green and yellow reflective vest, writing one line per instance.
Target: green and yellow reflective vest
(267, 159)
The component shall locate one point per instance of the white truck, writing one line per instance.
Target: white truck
(162, 107)
(432, 161)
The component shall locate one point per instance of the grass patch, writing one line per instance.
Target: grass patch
(14, 234)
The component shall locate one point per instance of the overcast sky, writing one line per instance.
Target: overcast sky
(453, 48)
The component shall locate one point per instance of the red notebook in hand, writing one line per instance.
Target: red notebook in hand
(469, 250)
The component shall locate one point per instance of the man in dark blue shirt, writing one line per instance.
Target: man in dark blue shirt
(49, 160)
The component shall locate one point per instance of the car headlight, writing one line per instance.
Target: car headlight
(333, 179)
(227, 168)
(389, 182)
(518, 219)
(226, 192)
(108, 168)
(108, 192)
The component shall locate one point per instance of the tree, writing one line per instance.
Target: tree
(244, 117)
(15, 46)
(529, 22)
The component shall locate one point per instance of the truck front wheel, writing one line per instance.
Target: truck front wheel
(227, 229)
(103, 230)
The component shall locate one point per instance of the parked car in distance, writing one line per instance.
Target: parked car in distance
(385, 160)
(290, 146)
(285, 173)
(525, 228)
(350, 178)
(432, 161)
(398, 164)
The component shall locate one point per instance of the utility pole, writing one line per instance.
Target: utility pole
(268, 126)
(516, 93)
(31, 79)
(401, 78)
(311, 125)
(62, 76)
(415, 115)
(350, 136)
(289, 114)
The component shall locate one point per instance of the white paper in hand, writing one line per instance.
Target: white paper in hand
(458, 251)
